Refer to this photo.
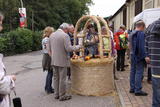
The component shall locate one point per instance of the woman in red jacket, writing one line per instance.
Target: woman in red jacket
(121, 43)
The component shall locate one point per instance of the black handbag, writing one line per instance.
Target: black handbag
(17, 101)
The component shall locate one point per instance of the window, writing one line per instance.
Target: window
(125, 16)
(138, 6)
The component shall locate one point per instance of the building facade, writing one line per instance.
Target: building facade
(129, 10)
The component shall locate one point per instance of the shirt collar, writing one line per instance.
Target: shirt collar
(61, 30)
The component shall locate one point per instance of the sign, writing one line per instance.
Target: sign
(22, 12)
(23, 17)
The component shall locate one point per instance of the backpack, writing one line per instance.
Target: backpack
(123, 42)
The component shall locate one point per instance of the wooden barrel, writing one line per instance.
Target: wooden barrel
(93, 77)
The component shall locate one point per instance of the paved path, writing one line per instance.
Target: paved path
(130, 100)
(30, 85)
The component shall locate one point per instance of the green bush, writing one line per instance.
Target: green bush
(20, 41)
(37, 38)
(3, 44)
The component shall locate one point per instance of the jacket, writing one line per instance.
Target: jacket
(152, 46)
(59, 46)
(116, 39)
(137, 44)
(6, 85)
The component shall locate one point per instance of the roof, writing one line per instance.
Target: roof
(121, 8)
(128, 1)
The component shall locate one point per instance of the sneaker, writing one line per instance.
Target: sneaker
(141, 94)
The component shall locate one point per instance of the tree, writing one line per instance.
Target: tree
(10, 10)
(42, 13)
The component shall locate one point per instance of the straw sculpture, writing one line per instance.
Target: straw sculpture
(95, 76)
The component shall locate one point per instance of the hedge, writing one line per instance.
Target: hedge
(20, 41)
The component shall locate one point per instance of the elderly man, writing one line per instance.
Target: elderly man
(59, 46)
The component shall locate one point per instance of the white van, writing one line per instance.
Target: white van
(148, 16)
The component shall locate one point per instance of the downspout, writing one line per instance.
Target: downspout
(153, 3)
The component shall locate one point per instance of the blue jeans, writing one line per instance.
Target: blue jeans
(48, 86)
(136, 75)
(156, 92)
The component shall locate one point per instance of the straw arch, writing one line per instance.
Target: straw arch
(97, 21)
(108, 32)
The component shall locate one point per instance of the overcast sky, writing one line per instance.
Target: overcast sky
(105, 8)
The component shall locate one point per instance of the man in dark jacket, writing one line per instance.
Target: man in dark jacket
(152, 46)
(137, 42)
(70, 33)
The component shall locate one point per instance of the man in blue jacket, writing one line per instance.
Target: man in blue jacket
(152, 46)
(137, 42)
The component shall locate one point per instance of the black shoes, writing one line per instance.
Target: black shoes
(56, 97)
(131, 91)
(149, 81)
(50, 92)
(64, 98)
(141, 94)
(122, 69)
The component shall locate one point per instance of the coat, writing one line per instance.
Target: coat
(117, 41)
(6, 85)
(137, 44)
(59, 46)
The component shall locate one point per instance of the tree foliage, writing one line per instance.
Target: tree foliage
(42, 13)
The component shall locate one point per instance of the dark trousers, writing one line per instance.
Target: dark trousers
(149, 74)
(48, 86)
(69, 72)
(156, 92)
(120, 59)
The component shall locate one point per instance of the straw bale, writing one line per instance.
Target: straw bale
(93, 77)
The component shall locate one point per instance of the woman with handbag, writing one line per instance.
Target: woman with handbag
(6, 82)
(46, 61)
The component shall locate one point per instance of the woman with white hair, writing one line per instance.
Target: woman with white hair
(6, 82)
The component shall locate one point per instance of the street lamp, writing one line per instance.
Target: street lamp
(21, 3)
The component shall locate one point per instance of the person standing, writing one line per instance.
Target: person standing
(149, 76)
(70, 33)
(59, 47)
(121, 42)
(152, 46)
(46, 61)
(136, 44)
(6, 82)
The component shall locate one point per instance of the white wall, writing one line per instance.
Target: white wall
(147, 4)
(157, 3)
